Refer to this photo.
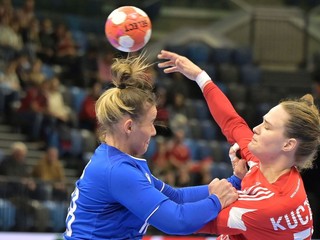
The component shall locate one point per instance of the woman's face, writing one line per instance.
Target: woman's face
(269, 138)
(142, 131)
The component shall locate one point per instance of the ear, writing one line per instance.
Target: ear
(128, 126)
(290, 144)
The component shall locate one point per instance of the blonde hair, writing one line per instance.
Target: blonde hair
(304, 125)
(19, 146)
(131, 95)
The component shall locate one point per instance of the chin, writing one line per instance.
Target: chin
(143, 151)
(251, 147)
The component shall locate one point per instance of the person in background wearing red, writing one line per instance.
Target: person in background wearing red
(87, 115)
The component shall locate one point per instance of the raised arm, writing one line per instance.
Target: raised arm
(232, 125)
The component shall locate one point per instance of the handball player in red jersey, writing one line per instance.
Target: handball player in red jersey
(272, 202)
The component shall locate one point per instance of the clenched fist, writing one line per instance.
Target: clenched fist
(224, 190)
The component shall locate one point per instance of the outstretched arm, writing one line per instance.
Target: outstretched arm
(232, 125)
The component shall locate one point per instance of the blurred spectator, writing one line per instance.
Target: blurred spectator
(10, 33)
(57, 108)
(10, 89)
(47, 41)
(23, 69)
(194, 171)
(178, 106)
(21, 188)
(50, 171)
(66, 47)
(6, 8)
(161, 165)
(180, 158)
(104, 67)
(162, 107)
(32, 111)
(66, 56)
(61, 118)
(179, 85)
(14, 166)
(36, 76)
(26, 14)
(90, 66)
(31, 38)
(87, 115)
(179, 121)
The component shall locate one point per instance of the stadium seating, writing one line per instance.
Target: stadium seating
(250, 75)
(209, 130)
(7, 215)
(242, 56)
(77, 96)
(198, 52)
(221, 55)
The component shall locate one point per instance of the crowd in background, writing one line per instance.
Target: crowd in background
(48, 87)
(49, 83)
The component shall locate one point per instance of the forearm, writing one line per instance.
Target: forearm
(184, 219)
(232, 125)
(187, 194)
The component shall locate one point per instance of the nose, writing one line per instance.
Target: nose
(154, 131)
(256, 129)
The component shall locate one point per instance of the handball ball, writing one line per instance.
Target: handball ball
(128, 28)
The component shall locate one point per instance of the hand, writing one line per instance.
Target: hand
(177, 63)
(239, 167)
(224, 190)
(233, 151)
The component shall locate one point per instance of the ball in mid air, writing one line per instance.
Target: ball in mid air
(128, 28)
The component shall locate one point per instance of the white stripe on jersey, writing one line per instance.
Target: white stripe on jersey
(145, 226)
(224, 237)
(255, 193)
(163, 185)
(257, 199)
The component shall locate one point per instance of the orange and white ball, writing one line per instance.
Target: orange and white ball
(128, 28)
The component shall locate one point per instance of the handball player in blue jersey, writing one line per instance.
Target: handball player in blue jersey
(117, 197)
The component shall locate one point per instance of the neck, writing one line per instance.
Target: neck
(116, 142)
(272, 172)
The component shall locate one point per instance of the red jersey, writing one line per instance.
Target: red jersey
(180, 152)
(264, 210)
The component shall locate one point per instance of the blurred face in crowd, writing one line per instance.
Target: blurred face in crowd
(52, 154)
(19, 155)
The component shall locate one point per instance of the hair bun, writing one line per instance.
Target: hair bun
(308, 98)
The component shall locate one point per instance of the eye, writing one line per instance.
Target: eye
(266, 126)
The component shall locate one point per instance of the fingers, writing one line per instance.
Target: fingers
(232, 151)
(240, 168)
(167, 55)
(215, 180)
(168, 63)
(224, 190)
(170, 70)
(177, 63)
